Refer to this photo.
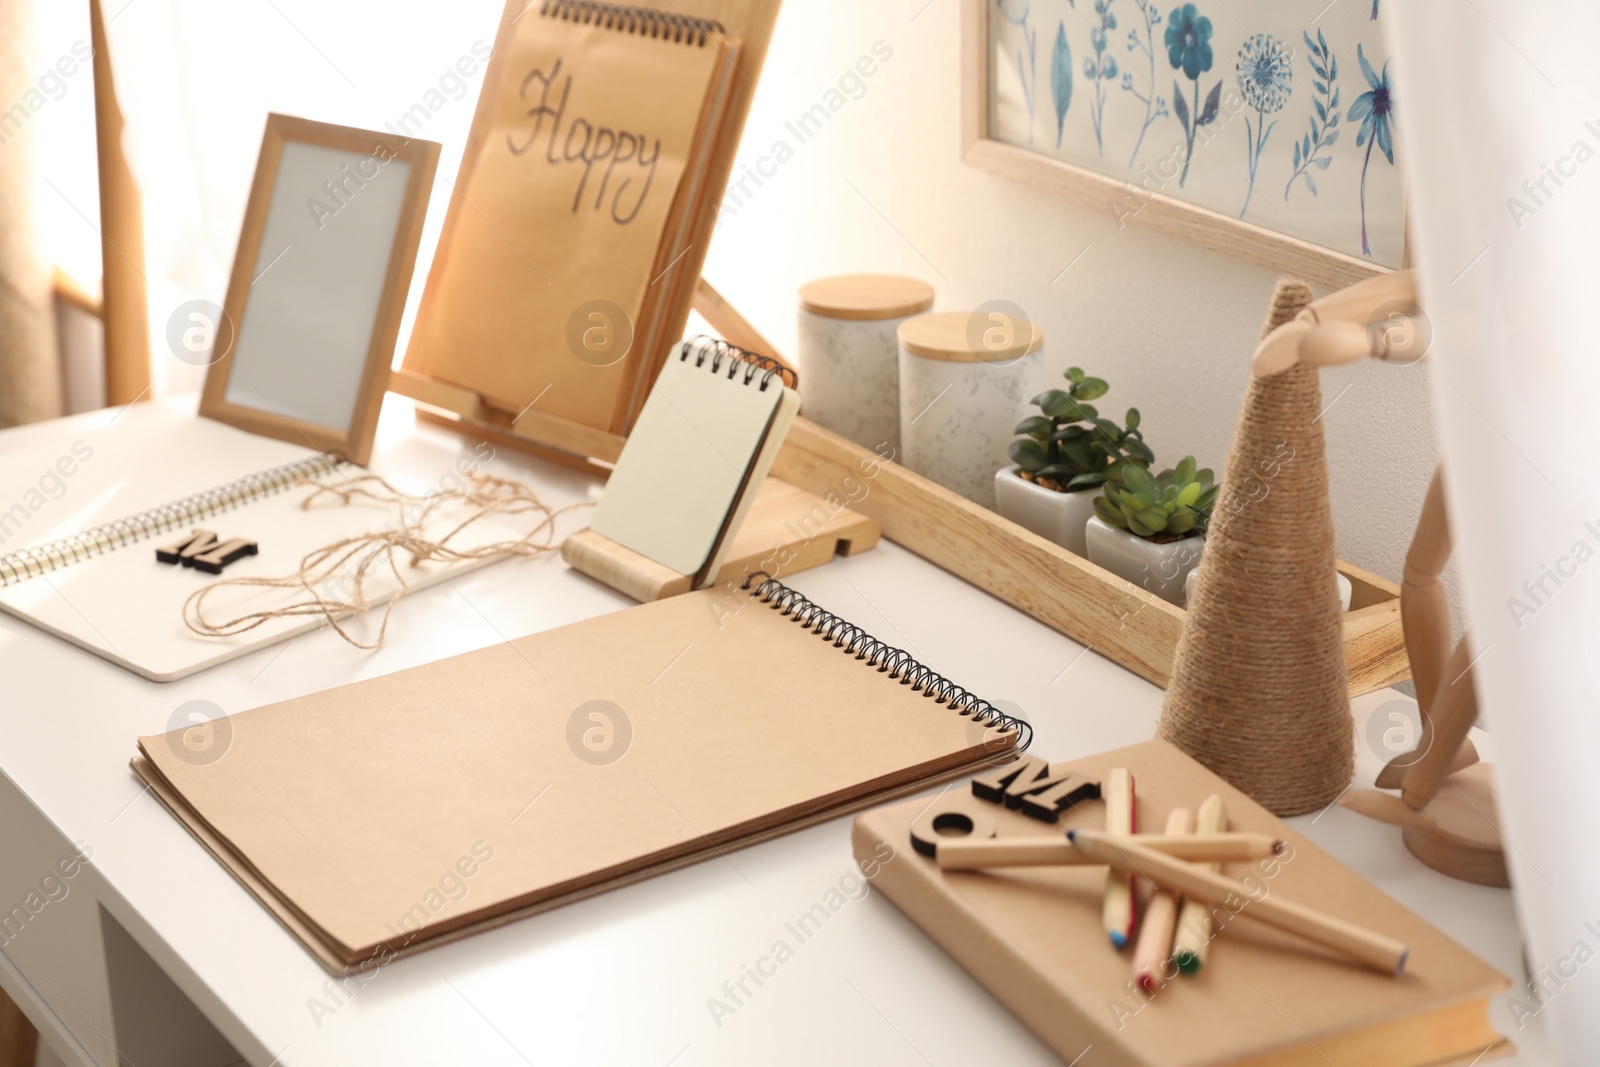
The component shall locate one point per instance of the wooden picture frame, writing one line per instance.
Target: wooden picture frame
(1130, 203)
(291, 303)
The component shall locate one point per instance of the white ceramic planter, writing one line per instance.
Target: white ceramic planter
(1058, 517)
(1345, 588)
(960, 402)
(848, 354)
(1159, 569)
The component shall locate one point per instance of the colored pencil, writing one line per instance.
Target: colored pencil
(958, 854)
(1373, 949)
(1194, 920)
(1118, 911)
(1154, 948)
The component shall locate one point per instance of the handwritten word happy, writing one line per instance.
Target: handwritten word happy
(589, 144)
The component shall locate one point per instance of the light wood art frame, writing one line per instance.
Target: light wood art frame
(1089, 604)
(355, 440)
(1125, 202)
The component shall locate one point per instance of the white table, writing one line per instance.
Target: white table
(154, 934)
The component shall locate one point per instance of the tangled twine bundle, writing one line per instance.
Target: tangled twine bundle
(1259, 692)
(398, 548)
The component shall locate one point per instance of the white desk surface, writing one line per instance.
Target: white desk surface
(623, 978)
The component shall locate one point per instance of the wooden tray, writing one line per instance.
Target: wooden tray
(1088, 603)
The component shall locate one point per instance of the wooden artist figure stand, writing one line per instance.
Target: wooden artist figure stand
(1446, 794)
(1450, 829)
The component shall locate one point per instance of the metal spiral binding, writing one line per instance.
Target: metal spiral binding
(895, 662)
(644, 21)
(32, 562)
(717, 350)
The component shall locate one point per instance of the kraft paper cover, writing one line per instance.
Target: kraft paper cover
(351, 805)
(1034, 937)
(568, 183)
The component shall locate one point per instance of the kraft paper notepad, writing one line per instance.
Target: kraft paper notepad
(1034, 938)
(704, 442)
(580, 188)
(562, 764)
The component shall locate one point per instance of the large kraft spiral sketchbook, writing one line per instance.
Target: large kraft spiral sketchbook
(728, 718)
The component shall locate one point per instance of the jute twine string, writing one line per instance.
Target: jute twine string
(334, 578)
(1259, 691)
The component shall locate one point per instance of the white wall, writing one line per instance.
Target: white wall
(1171, 326)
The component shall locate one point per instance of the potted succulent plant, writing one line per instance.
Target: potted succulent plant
(1062, 457)
(1150, 529)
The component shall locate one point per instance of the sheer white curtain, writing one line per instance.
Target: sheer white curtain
(197, 79)
(1498, 108)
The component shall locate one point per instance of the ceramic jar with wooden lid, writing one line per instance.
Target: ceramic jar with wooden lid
(847, 354)
(965, 382)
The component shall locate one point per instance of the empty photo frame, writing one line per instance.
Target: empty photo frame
(319, 282)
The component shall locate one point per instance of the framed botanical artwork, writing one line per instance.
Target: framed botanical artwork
(1266, 131)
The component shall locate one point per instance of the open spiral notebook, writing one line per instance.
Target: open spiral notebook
(83, 514)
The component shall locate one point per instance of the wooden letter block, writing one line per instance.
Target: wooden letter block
(1033, 786)
(949, 822)
(181, 550)
(1049, 804)
(994, 785)
(219, 556)
(202, 551)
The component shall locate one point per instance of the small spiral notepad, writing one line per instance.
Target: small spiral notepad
(705, 440)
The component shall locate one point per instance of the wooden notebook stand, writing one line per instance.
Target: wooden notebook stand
(787, 530)
(560, 440)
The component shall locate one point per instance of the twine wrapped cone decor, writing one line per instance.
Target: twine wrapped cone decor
(1258, 691)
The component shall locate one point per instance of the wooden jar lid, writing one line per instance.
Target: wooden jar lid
(952, 336)
(865, 297)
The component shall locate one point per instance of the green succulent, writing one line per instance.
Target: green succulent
(1168, 506)
(1068, 446)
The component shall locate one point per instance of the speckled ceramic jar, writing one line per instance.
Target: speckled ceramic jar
(964, 386)
(848, 355)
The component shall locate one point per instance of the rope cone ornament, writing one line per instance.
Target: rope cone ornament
(1258, 691)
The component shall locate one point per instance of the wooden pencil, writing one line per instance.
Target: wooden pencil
(1194, 920)
(958, 854)
(1117, 913)
(1197, 882)
(1154, 947)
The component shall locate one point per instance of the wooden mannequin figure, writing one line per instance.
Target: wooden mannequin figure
(1446, 804)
